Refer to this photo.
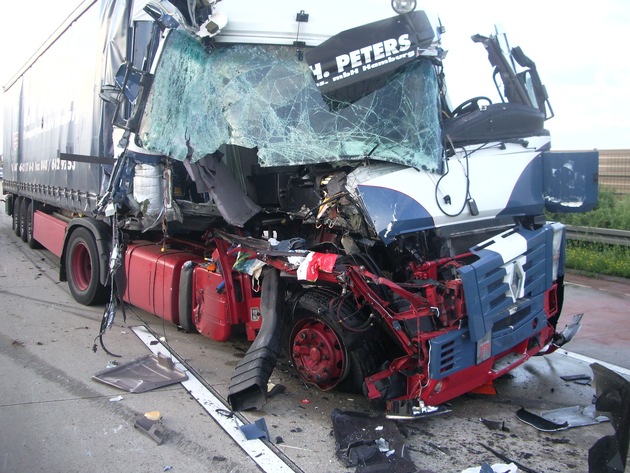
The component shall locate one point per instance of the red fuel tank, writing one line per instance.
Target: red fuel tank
(210, 305)
(153, 278)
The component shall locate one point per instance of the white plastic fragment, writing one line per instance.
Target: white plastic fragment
(382, 444)
(497, 468)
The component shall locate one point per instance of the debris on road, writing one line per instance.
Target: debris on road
(496, 468)
(360, 443)
(151, 426)
(142, 374)
(575, 416)
(562, 418)
(539, 422)
(494, 424)
(275, 389)
(609, 454)
(506, 459)
(583, 379)
(257, 430)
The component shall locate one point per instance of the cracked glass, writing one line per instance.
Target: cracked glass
(261, 96)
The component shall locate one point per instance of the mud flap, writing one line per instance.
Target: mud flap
(248, 385)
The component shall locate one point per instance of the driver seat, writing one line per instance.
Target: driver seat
(496, 122)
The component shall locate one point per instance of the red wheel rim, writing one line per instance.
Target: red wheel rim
(81, 267)
(318, 354)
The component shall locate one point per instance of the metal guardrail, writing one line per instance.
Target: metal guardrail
(599, 235)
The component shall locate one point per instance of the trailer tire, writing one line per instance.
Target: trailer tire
(83, 268)
(17, 202)
(23, 219)
(324, 353)
(30, 212)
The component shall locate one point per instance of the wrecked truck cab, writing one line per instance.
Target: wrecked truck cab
(359, 140)
(304, 176)
(403, 277)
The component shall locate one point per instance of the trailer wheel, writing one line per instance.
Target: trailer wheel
(32, 242)
(324, 353)
(83, 268)
(17, 202)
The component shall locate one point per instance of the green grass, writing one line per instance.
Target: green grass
(613, 211)
(596, 258)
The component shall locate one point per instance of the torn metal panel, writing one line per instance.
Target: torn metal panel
(143, 374)
(539, 422)
(212, 176)
(570, 180)
(261, 96)
(575, 416)
(257, 430)
(561, 419)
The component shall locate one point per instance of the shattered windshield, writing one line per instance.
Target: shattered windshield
(262, 96)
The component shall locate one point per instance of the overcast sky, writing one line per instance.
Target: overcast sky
(581, 54)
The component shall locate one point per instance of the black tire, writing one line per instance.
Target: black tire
(30, 211)
(17, 202)
(326, 354)
(23, 218)
(83, 268)
(185, 301)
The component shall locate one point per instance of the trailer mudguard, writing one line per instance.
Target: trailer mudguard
(102, 236)
(8, 204)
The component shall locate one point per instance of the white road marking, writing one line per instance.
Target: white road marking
(258, 451)
(569, 283)
(587, 359)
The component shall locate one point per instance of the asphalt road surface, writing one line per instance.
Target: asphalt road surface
(54, 417)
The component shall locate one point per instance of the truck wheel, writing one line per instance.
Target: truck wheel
(32, 242)
(23, 218)
(324, 353)
(17, 202)
(83, 269)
